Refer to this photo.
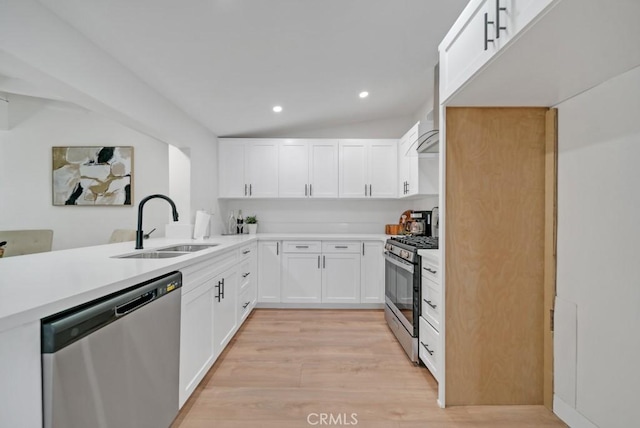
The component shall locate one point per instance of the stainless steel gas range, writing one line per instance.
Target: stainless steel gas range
(402, 288)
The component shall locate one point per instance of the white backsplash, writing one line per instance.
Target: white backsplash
(324, 216)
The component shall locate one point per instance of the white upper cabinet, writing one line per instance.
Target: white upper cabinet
(368, 168)
(248, 168)
(308, 168)
(418, 174)
(483, 28)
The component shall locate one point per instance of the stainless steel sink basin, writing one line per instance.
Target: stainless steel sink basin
(152, 255)
(188, 248)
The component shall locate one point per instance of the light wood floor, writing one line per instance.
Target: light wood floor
(286, 364)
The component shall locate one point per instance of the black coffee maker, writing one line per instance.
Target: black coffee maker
(420, 223)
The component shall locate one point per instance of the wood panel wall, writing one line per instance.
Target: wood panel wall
(495, 229)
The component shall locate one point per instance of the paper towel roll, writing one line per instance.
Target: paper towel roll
(201, 227)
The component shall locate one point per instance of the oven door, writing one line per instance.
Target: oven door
(399, 287)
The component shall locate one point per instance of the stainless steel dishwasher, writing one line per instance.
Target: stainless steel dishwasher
(114, 362)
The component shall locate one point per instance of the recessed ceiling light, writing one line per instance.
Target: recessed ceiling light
(277, 109)
(364, 94)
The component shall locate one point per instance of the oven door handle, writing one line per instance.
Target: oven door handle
(402, 265)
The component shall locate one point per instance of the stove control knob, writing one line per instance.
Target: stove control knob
(404, 254)
(387, 247)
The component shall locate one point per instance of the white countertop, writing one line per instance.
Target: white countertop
(38, 285)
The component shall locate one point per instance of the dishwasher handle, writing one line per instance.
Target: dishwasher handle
(136, 303)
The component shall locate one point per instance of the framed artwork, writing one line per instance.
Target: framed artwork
(92, 176)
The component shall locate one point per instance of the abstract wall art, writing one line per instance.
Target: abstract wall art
(92, 176)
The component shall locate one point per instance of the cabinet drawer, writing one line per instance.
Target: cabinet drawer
(430, 270)
(301, 246)
(196, 274)
(341, 247)
(431, 303)
(249, 250)
(245, 303)
(246, 274)
(429, 348)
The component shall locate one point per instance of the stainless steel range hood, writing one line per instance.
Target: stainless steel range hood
(429, 134)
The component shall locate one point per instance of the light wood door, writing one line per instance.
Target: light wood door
(269, 271)
(294, 169)
(231, 166)
(383, 169)
(494, 252)
(301, 278)
(353, 169)
(341, 278)
(323, 169)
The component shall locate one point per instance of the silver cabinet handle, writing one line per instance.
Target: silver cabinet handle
(363, 248)
(427, 348)
(487, 40)
(246, 251)
(341, 246)
(370, 191)
(310, 189)
(318, 262)
(244, 275)
(245, 190)
(365, 190)
(324, 265)
(250, 191)
(428, 302)
(498, 27)
(430, 270)
(302, 246)
(245, 305)
(277, 248)
(305, 189)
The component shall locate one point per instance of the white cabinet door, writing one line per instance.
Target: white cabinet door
(294, 169)
(341, 278)
(269, 271)
(372, 273)
(323, 169)
(383, 169)
(353, 169)
(405, 160)
(224, 308)
(196, 338)
(231, 164)
(301, 278)
(262, 168)
(463, 50)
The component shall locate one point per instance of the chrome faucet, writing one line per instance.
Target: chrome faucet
(139, 233)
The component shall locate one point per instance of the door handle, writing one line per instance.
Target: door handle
(365, 190)
(370, 191)
(318, 262)
(498, 27)
(218, 287)
(250, 191)
(342, 246)
(427, 348)
(305, 189)
(245, 190)
(277, 248)
(363, 248)
(245, 305)
(244, 275)
(302, 246)
(323, 262)
(430, 270)
(222, 292)
(428, 302)
(246, 251)
(310, 189)
(487, 40)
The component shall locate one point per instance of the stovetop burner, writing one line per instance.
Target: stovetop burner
(418, 242)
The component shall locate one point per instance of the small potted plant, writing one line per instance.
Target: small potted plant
(252, 224)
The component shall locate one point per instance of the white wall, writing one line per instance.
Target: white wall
(598, 255)
(325, 216)
(25, 173)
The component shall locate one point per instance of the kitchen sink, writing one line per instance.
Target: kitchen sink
(152, 255)
(188, 248)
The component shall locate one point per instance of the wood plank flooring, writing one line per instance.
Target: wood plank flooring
(284, 365)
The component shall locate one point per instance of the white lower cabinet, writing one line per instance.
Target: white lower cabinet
(372, 273)
(225, 297)
(269, 254)
(429, 347)
(196, 338)
(341, 278)
(301, 278)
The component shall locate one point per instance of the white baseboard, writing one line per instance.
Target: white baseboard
(569, 415)
(269, 305)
